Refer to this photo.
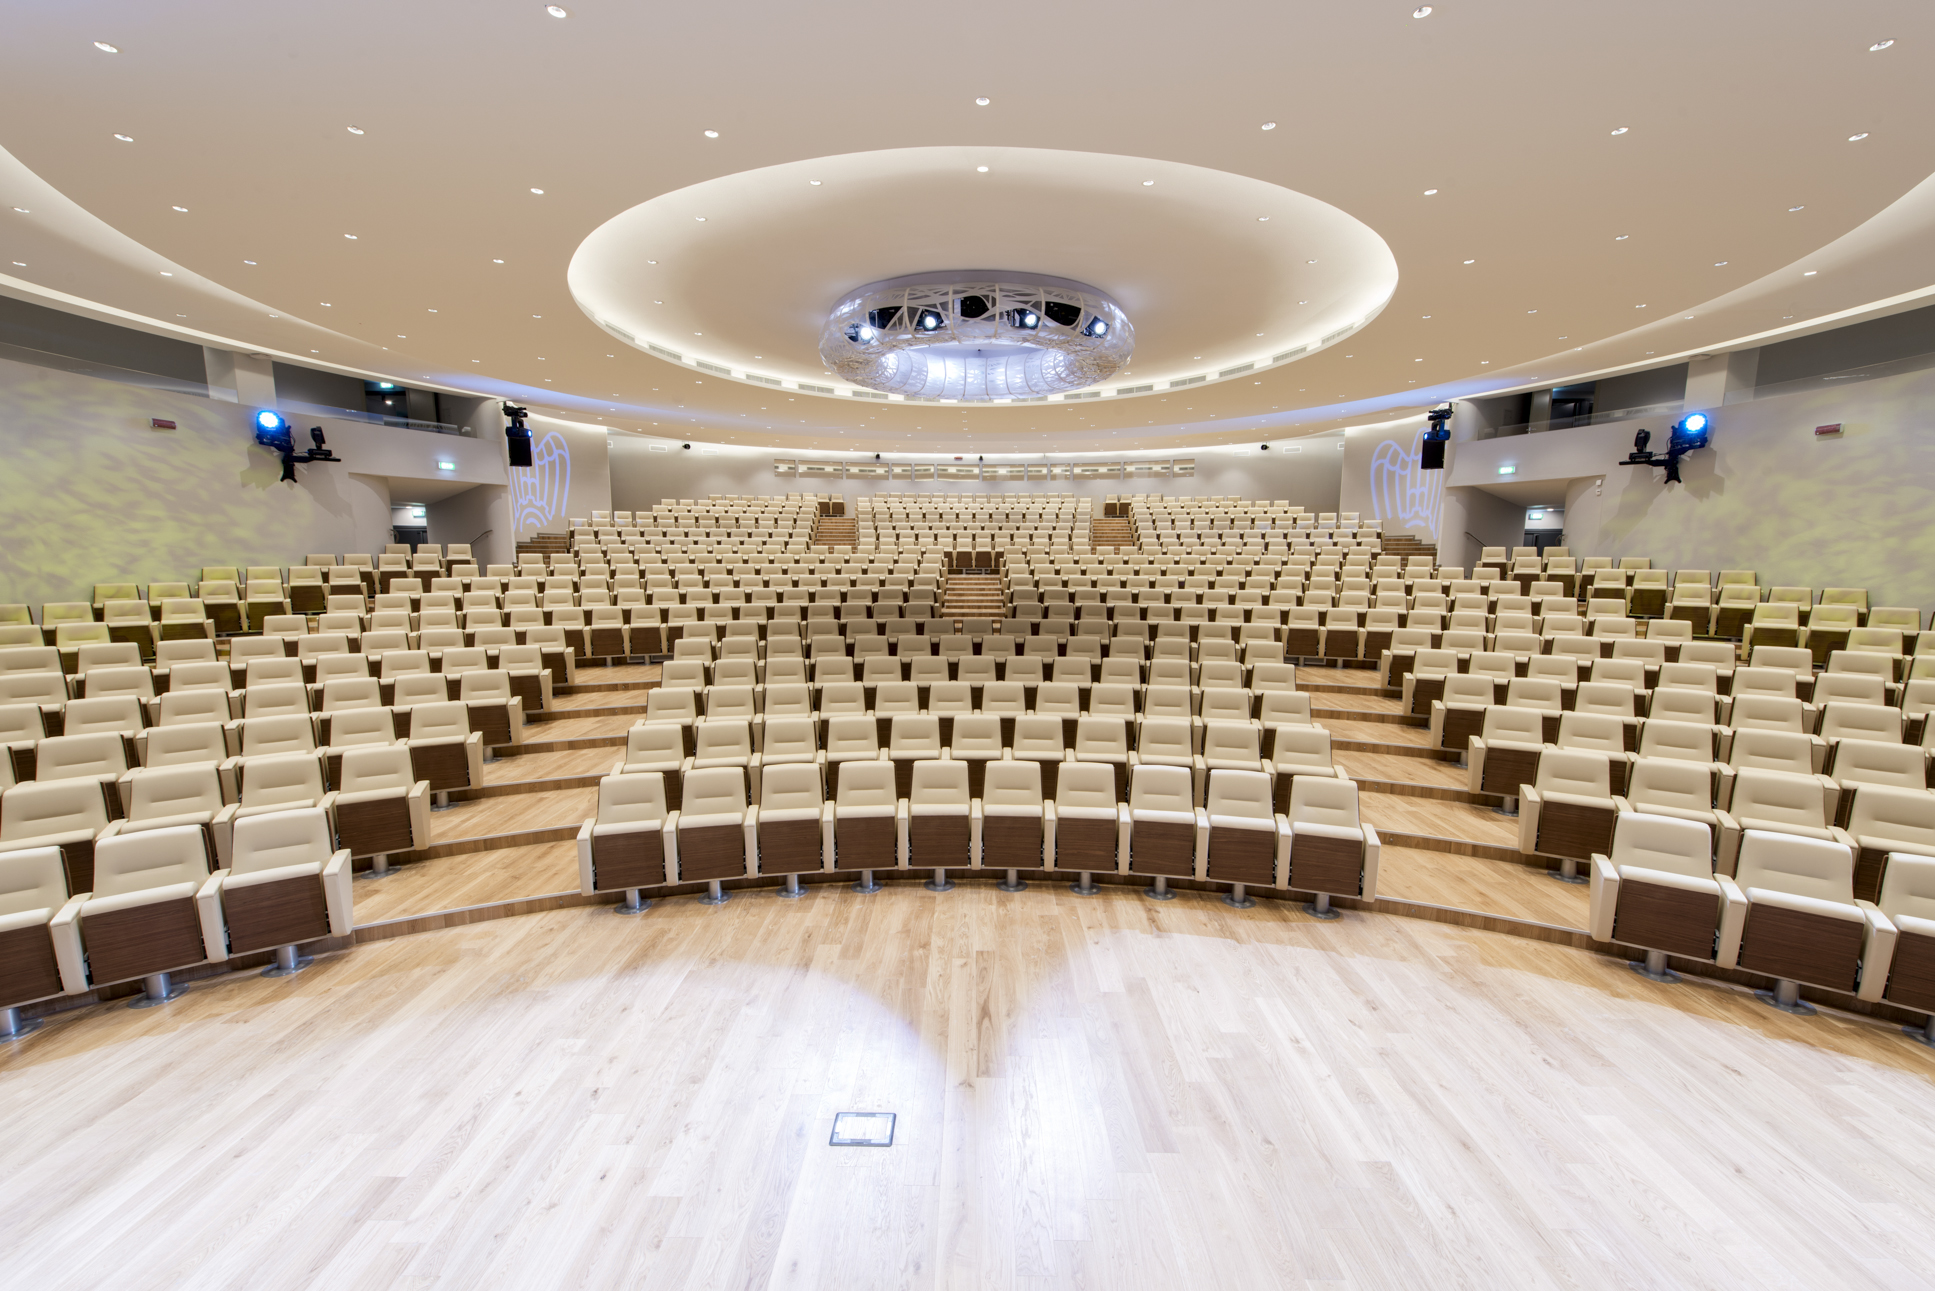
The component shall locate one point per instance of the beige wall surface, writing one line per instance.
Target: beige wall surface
(569, 476)
(1853, 510)
(91, 493)
(1304, 472)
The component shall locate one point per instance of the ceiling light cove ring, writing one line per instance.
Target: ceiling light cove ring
(976, 336)
(1183, 273)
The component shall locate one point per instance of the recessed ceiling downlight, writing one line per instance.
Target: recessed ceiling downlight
(353, 129)
(557, 11)
(1422, 11)
(1622, 130)
(981, 103)
(1880, 45)
(1857, 138)
(125, 138)
(712, 134)
(106, 48)
(1269, 125)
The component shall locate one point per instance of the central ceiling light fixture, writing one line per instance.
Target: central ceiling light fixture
(976, 336)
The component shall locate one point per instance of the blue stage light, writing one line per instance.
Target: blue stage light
(270, 421)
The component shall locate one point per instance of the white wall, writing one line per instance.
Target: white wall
(1381, 481)
(92, 494)
(570, 476)
(1308, 477)
(478, 516)
(1853, 511)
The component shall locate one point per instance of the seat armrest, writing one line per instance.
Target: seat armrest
(1604, 898)
(902, 851)
(584, 856)
(1373, 852)
(826, 835)
(1877, 951)
(1733, 921)
(751, 829)
(65, 930)
(208, 904)
(1529, 803)
(337, 896)
(420, 814)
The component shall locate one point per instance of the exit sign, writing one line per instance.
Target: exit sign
(1822, 432)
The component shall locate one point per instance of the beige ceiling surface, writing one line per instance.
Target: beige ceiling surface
(1734, 112)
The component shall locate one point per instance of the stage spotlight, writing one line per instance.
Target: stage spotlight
(930, 321)
(1030, 319)
(1692, 432)
(270, 421)
(517, 435)
(1096, 327)
(1431, 449)
(861, 334)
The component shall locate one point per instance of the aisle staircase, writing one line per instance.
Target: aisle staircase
(544, 544)
(974, 596)
(1404, 546)
(1111, 531)
(835, 531)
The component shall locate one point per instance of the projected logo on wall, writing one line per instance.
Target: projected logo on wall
(539, 491)
(1402, 493)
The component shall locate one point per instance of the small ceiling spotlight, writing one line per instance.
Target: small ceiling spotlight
(557, 11)
(1269, 125)
(712, 134)
(1096, 327)
(1857, 138)
(981, 103)
(982, 169)
(1880, 45)
(930, 321)
(1422, 11)
(106, 48)
(353, 129)
(1622, 130)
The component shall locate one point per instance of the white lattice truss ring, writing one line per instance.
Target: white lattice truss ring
(976, 335)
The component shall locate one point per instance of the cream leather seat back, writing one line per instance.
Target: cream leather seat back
(280, 783)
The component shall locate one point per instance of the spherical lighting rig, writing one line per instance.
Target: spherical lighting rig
(976, 336)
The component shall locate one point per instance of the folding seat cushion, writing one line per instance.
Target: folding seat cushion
(381, 807)
(1907, 900)
(1777, 802)
(1504, 755)
(796, 822)
(717, 831)
(35, 962)
(914, 738)
(1841, 720)
(1657, 890)
(285, 883)
(720, 742)
(975, 741)
(1042, 740)
(141, 916)
(1163, 821)
(283, 783)
(856, 738)
(1459, 713)
(1884, 823)
(1244, 840)
(1332, 851)
(1791, 913)
(1017, 822)
(1676, 788)
(189, 794)
(868, 817)
(1568, 812)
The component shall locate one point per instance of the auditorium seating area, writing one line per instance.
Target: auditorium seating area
(1159, 710)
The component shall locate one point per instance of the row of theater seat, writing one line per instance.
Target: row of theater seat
(1788, 908)
(934, 817)
(153, 901)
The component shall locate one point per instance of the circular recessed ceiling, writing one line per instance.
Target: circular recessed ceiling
(1188, 258)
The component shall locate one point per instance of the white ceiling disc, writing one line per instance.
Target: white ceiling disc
(1188, 259)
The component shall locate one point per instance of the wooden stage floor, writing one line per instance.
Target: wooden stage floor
(1092, 1093)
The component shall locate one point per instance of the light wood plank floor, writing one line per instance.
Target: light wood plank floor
(1471, 883)
(471, 879)
(1096, 1094)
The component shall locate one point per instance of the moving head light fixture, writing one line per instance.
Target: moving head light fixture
(272, 432)
(1431, 449)
(517, 435)
(1690, 434)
